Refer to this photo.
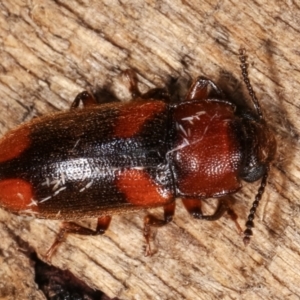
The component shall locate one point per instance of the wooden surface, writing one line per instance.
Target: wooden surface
(51, 50)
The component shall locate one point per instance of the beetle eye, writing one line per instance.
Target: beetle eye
(253, 173)
(258, 148)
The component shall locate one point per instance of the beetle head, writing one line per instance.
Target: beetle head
(258, 148)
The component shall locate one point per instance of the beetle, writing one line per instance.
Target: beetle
(112, 158)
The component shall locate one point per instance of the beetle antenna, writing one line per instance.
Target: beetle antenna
(250, 224)
(244, 68)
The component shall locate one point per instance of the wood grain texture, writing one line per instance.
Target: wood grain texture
(51, 50)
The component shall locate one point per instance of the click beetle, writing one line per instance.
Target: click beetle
(113, 158)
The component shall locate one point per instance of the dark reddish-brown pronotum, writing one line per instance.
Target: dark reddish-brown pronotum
(117, 157)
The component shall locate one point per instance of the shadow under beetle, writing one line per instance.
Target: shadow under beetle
(119, 157)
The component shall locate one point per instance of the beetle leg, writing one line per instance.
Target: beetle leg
(70, 227)
(150, 221)
(203, 88)
(86, 98)
(193, 206)
(133, 82)
(157, 93)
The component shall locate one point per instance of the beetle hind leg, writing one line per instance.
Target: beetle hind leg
(152, 221)
(70, 227)
(193, 206)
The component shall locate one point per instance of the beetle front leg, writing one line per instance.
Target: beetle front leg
(70, 227)
(193, 206)
(85, 98)
(151, 221)
(203, 88)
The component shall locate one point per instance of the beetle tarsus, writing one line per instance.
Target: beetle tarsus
(152, 221)
(147, 235)
(59, 239)
(193, 206)
(233, 216)
(133, 82)
(156, 93)
(70, 227)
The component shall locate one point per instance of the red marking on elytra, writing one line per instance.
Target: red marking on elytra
(140, 189)
(134, 115)
(16, 195)
(14, 143)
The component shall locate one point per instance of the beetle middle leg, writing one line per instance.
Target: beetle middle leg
(193, 206)
(151, 221)
(70, 227)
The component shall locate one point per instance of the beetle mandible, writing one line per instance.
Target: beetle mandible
(119, 157)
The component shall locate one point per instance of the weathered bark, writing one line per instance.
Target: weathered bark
(51, 50)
